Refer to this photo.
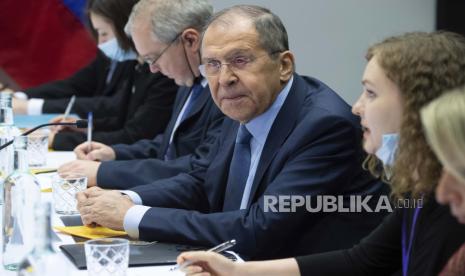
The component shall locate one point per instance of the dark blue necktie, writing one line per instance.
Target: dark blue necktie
(195, 93)
(238, 170)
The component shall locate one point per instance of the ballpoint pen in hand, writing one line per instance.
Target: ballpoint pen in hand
(219, 248)
(89, 131)
(68, 107)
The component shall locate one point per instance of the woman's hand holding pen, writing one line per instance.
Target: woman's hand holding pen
(55, 129)
(68, 119)
(204, 263)
(208, 264)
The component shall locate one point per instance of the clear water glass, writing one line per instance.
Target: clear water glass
(109, 256)
(65, 186)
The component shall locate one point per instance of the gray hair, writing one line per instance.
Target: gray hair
(169, 18)
(271, 31)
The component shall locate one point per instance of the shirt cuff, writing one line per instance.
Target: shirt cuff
(134, 196)
(34, 106)
(132, 220)
(20, 95)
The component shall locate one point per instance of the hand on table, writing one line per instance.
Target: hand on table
(85, 167)
(207, 264)
(103, 207)
(98, 152)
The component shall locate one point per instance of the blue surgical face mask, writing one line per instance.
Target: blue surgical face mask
(112, 50)
(387, 152)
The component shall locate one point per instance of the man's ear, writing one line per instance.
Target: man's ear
(286, 60)
(192, 39)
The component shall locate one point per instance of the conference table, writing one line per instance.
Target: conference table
(54, 160)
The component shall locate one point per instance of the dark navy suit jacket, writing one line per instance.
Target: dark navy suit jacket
(196, 132)
(313, 148)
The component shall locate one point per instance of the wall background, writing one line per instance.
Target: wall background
(329, 37)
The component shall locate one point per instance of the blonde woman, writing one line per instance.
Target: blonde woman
(444, 124)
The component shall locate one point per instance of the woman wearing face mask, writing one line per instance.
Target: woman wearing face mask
(128, 102)
(403, 74)
(444, 124)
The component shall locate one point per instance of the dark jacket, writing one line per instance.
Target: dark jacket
(89, 85)
(437, 236)
(134, 105)
(143, 161)
(313, 148)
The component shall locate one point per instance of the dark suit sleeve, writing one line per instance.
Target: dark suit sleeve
(314, 165)
(101, 106)
(145, 148)
(142, 116)
(146, 118)
(68, 140)
(127, 174)
(377, 254)
(82, 84)
(142, 121)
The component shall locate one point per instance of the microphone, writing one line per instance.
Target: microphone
(78, 124)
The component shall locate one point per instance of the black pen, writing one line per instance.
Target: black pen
(219, 248)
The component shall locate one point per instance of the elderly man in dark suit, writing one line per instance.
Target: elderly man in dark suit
(195, 119)
(286, 135)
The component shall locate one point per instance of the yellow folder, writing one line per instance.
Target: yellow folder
(97, 232)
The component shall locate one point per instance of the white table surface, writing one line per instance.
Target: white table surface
(54, 159)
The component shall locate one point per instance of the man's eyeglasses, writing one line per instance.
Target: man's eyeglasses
(152, 61)
(213, 67)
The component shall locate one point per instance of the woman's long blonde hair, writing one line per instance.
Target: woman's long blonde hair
(444, 124)
(423, 66)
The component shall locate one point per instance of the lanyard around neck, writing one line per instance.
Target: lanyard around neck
(407, 248)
